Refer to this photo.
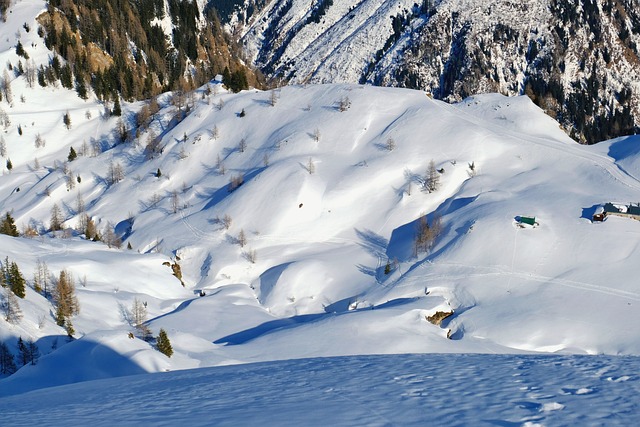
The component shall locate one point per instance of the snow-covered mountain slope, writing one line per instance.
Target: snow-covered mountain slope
(328, 198)
(578, 60)
(479, 390)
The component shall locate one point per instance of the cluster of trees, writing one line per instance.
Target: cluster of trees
(28, 353)
(137, 317)
(426, 233)
(14, 287)
(63, 292)
(156, 66)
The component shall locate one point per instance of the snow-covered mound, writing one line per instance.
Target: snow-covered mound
(313, 254)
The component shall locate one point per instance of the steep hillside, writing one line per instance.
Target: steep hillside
(577, 60)
(132, 49)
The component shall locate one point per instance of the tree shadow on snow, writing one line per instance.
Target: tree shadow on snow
(401, 244)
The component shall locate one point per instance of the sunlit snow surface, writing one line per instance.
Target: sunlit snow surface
(492, 390)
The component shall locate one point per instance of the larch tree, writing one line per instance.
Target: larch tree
(139, 316)
(11, 307)
(66, 302)
(41, 278)
(432, 181)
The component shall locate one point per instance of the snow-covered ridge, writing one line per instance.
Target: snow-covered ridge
(570, 57)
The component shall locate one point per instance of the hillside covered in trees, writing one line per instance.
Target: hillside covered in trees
(137, 48)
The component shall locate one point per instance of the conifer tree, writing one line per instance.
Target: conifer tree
(22, 348)
(9, 165)
(66, 119)
(7, 361)
(8, 226)
(163, 344)
(117, 109)
(29, 352)
(16, 280)
(81, 88)
(4, 272)
(72, 155)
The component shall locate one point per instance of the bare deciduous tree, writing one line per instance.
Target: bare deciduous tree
(432, 180)
(115, 173)
(110, 237)
(235, 181)
(390, 144)
(242, 145)
(40, 141)
(426, 233)
(251, 255)
(175, 201)
(344, 104)
(41, 278)
(56, 218)
(226, 221)
(11, 307)
(214, 132)
(139, 316)
(242, 239)
(5, 87)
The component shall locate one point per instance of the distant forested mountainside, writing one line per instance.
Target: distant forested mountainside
(138, 48)
(577, 59)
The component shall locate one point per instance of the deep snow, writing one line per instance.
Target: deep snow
(402, 390)
(310, 280)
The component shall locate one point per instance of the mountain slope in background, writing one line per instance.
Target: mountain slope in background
(577, 60)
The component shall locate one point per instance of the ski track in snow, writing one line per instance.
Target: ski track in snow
(504, 271)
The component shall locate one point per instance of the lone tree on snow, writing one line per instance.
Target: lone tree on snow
(163, 344)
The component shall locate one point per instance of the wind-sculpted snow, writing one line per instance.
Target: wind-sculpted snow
(407, 390)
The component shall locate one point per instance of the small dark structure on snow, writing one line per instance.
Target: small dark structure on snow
(617, 209)
(523, 221)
